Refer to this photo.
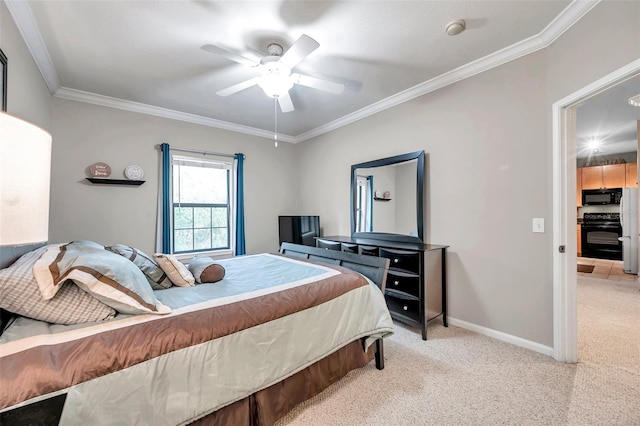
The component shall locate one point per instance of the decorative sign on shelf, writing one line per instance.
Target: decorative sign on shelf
(100, 170)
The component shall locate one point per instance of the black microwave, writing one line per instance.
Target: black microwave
(592, 197)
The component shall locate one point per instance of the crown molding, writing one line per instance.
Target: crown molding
(92, 98)
(26, 23)
(565, 20)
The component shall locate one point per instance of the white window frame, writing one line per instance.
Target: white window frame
(209, 161)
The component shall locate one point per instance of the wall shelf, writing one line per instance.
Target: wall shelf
(381, 199)
(115, 181)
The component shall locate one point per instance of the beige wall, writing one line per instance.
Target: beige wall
(489, 157)
(84, 134)
(27, 96)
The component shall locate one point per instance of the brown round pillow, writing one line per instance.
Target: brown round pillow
(205, 270)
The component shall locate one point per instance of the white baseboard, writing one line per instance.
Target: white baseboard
(514, 340)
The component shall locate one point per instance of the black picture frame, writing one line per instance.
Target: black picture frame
(3, 81)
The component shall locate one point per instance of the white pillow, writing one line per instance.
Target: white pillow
(175, 270)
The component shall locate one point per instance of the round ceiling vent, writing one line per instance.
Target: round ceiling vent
(455, 27)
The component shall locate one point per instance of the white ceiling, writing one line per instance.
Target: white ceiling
(146, 55)
(609, 119)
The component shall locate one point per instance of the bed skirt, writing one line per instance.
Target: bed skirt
(265, 407)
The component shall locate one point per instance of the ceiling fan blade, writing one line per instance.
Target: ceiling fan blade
(225, 53)
(299, 50)
(316, 83)
(285, 103)
(238, 87)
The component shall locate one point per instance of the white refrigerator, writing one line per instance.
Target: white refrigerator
(629, 222)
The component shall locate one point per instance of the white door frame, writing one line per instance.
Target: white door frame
(565, 313)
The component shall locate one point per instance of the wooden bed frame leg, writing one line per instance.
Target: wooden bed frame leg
(379, 354)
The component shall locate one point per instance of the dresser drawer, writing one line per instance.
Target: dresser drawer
(401, 259)
(410, 308)
(404, 282)
(326, 244)
(368, 250)
(349, 248)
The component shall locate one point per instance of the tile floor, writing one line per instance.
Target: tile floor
(607, 269)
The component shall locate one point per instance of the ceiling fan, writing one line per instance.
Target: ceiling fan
(275, 77)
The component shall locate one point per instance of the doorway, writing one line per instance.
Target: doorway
(565, 345)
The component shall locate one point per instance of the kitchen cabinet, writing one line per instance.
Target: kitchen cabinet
(579, 187)
(631, 170)
(592, 177)
(608, 176)
(614, 176)
(579, 245)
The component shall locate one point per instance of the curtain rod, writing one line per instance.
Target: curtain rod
(197, 151)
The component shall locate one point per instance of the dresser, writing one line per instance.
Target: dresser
(416, 282)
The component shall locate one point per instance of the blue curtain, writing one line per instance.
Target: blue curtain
(166, 198)
(370, 183)
(240, 240)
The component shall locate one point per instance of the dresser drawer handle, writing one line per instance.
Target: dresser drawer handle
(395, 260)
(396, 282)
(405, 307)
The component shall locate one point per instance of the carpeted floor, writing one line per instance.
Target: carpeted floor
(458, 377)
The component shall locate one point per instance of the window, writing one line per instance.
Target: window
(201, 204)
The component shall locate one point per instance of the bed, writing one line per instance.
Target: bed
(275, 331)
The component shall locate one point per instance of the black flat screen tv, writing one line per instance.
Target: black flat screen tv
(299, 229)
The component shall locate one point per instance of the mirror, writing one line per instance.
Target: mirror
(387, 197)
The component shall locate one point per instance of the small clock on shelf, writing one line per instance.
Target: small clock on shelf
(134, 172)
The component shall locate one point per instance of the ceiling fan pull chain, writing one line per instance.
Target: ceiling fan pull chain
(275, 119)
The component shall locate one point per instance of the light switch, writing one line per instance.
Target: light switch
(538, 224)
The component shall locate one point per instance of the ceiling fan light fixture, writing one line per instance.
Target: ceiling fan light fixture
(594, 145)
(275, 80)
(635, 100)
(275, 85)
(275, 77)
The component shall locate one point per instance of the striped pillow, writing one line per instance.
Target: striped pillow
(108, 277)
(155, 275)
(20, 294)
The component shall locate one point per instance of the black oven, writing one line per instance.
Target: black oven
(592, 197)
(600, 236)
